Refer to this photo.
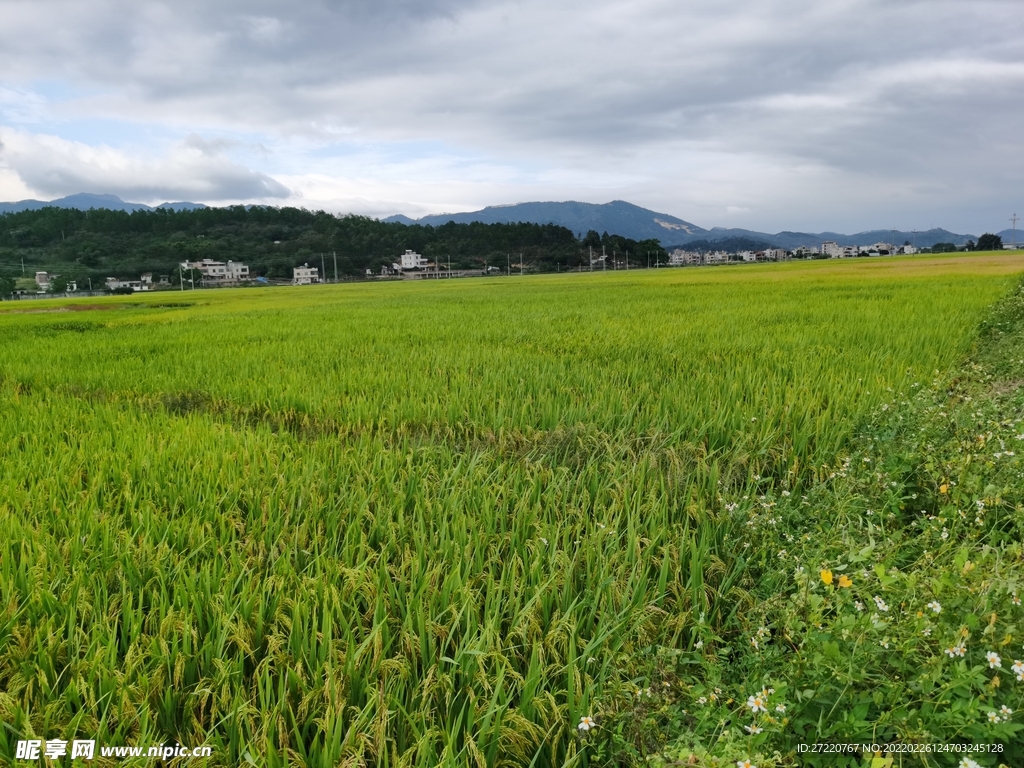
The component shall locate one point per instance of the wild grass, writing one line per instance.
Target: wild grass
(419, 524)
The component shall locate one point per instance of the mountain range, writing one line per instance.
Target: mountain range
(84, 201)
(628, 220)
(617, 217)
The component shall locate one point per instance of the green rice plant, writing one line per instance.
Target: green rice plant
(420, 524)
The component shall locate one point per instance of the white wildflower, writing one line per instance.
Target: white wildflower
(756, 704)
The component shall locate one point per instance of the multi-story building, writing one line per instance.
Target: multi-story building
(413, 260)
(832, 249)
(775, 254)
(305, 275)
(681, 258)
(218, 271)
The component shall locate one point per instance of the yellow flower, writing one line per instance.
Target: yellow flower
(943, 488)
(845, 581)
(826, 576)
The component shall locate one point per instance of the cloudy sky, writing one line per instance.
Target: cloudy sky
(766, 114)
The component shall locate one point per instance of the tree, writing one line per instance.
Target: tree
(6, 287)
(58, 284)
(990, 242)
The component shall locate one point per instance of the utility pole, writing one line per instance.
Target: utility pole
(508, 264)
(627, 261)
(90, 283)
(323, 270)
(604, 260)
(520, 265)
(335, 255)
(449, 266)
(1013, 220)
(893, 251)
(181, 280)
(589, 246)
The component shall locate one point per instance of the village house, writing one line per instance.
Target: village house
(832, 249)
(219, 272)
(114, 283)
(305, 275)
(681, 258)
(413, 260)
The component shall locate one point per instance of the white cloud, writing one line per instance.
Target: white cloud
(51, 166)
(784, 111)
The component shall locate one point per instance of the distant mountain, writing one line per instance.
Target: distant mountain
(1011, 236)
(790, 240)
(632, 221)
(84, 201)
(617, 218)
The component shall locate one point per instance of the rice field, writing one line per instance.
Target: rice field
(418, 523)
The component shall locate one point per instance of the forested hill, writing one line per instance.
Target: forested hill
(103, 243)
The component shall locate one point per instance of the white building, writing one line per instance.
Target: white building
(680, 258)
(832, 249)
(909, 250)
(218, 271)
(305, 275)
(748, 256)
(43, 280)
(114, 283)
(716, 257)
(775, 254)
(413, 260)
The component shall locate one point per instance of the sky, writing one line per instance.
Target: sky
(771, 115)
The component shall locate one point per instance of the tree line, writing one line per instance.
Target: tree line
(100, 243)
